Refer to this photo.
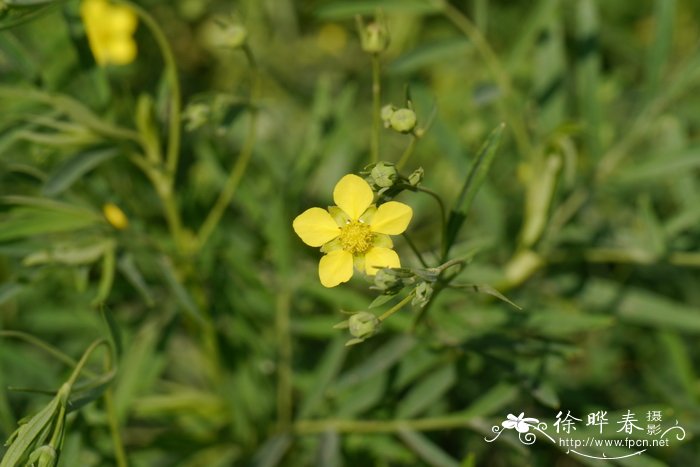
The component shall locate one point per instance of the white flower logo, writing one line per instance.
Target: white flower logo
(522, 425)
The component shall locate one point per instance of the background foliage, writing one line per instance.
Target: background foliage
(226, 352)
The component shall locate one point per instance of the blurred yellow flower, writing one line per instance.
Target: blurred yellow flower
(110, 29)
(353, 232)
(115, 216)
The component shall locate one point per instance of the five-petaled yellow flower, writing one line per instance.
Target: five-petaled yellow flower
(353, 232)
(110, 30)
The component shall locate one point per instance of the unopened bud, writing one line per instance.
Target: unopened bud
(423, 292)
(386, 113)
(374, 36)
(384, 174)
(416, 177)
(234, 35)
(363, 325)
(403, 120)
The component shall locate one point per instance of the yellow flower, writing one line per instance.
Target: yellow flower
(353, 232)
(115, 216)
(110, 30)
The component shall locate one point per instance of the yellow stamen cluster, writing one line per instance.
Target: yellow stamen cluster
(356, 237)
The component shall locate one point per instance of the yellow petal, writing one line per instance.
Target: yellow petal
(391, 218)
(353, 195)
(122, 51)
(378, 258)
(315, 227)
(335, 268)
(122, 20)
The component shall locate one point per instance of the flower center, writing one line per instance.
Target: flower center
(356, 237)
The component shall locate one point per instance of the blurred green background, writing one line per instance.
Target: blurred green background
(589, 220)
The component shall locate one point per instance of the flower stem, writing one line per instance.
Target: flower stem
(117, 441)
(415, 250)
(239, 168)
(284, 374)
(443, 214)
(407, 152)
(175, 110)
(396, 307)
(376, 107)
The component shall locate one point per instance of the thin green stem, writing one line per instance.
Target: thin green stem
(443, 214)
(83, 360)
(407, 152)
(35, 341)
(239, 168)
(376, 107)
(396, 307)
(284, 373)
(415, 250)
(174, 112)
(117, 441)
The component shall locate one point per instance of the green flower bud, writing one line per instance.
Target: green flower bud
(234, 35)
(423, 292)
(391, 281)
(363, 325)
(416, 177)
(384, 174)
(374, 37)
(403, 120)
(386, 113)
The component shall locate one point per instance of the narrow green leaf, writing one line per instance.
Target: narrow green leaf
(272, 451)
(383, 358)
(8, 291)
(476, 176)
(11, 17)
(348, 9)
(588, 64)
(540, 192)
(429, 54)
(381, 300)
(115, 334)
(493, 400)
(357, 399)
(660, 47)
(27, 222)
(426, 449)
(330, 366)
(183, 297)
(428, 391)
(72, 169)
(489, 290)
(27, 433)
(106, 277)
(128, 267)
